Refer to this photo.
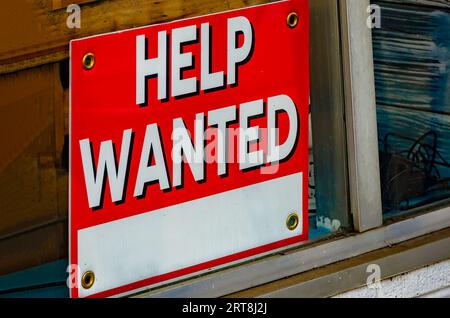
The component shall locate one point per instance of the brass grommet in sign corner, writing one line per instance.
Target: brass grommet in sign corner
(88, 279)
(88, 61)
(292, 221)
(292, 20)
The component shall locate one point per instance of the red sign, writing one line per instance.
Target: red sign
(188, 146)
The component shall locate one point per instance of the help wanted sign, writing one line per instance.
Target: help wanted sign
(188, 147)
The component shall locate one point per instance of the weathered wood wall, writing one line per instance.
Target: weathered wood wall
(34, 43)
(35, 32)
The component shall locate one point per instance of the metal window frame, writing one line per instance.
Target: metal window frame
(345, 128)
(344, 121)
(361, 115)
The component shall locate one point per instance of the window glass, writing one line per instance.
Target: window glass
(329, 211)
(412, 63)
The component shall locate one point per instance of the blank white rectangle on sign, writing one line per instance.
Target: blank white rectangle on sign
(176, 237)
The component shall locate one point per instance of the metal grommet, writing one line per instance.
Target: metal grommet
(292, 20)
(88, 61)
(88, 279)
(292, 221)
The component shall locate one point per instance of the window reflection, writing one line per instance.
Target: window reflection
(412, 63)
